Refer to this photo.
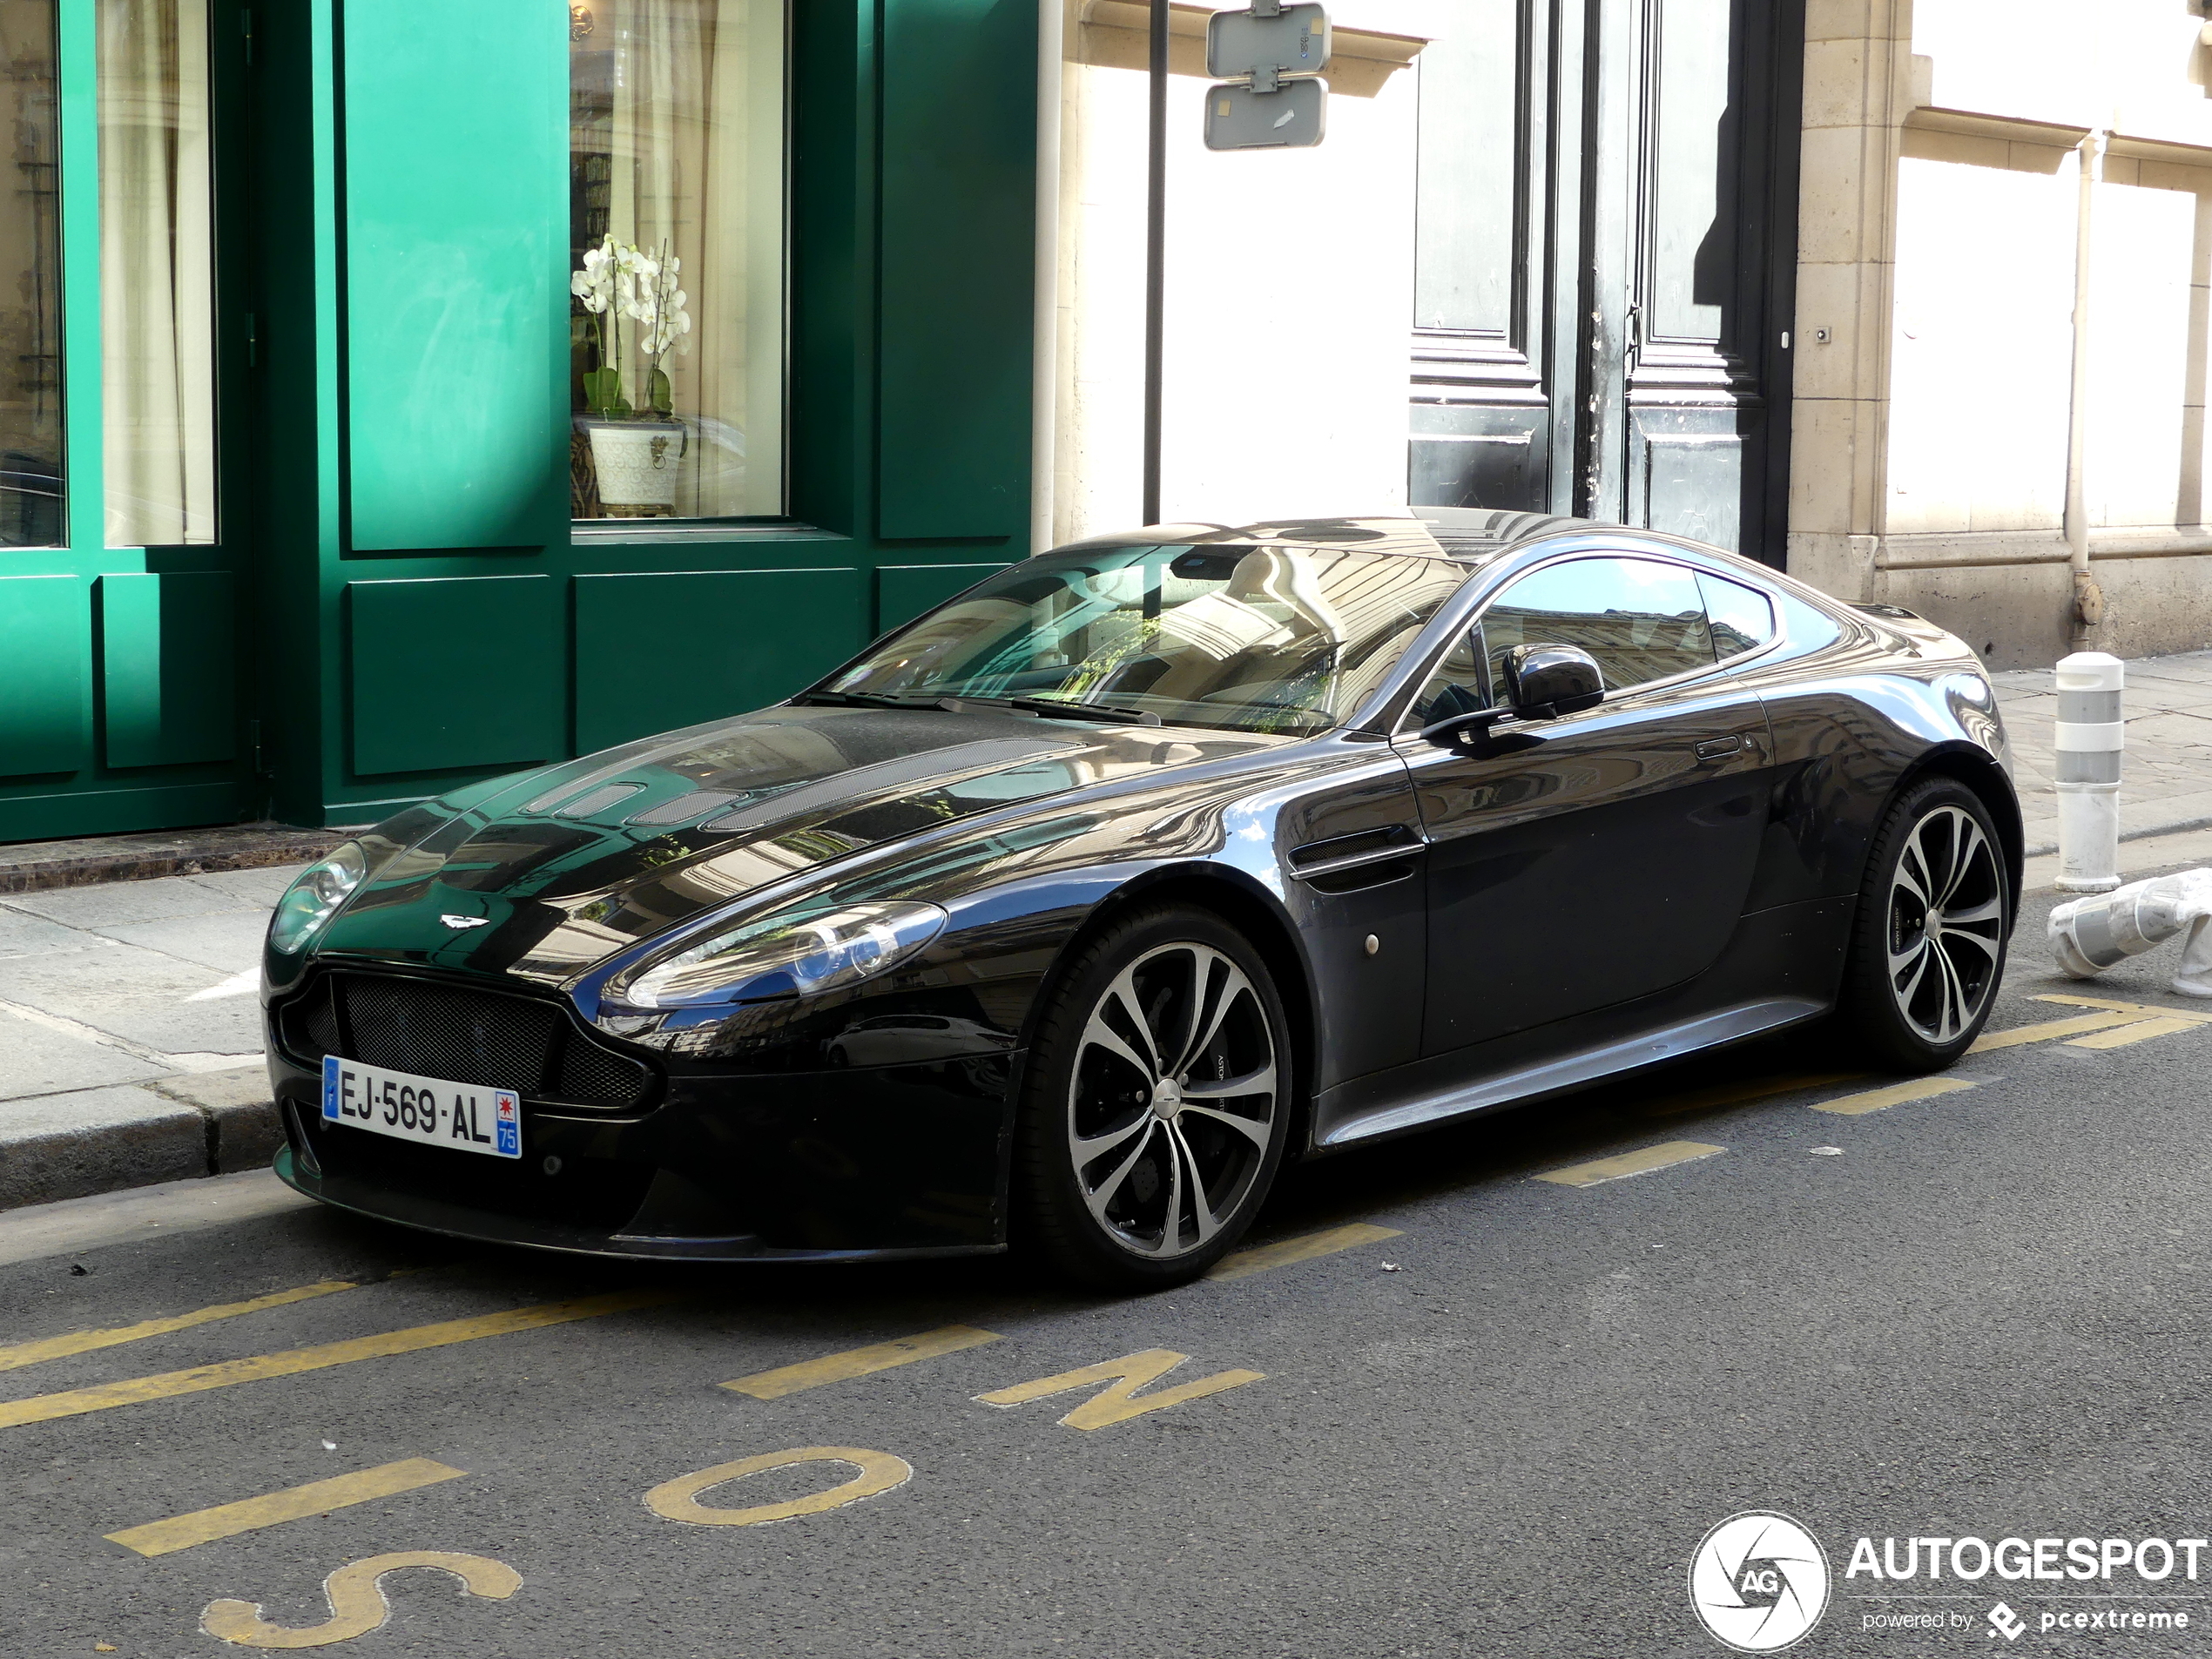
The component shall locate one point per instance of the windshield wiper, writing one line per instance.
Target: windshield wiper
(956, 701)
(865, 700)
(1105, 711)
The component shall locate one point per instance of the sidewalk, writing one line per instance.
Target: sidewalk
(129, 1034)
(130, 1040)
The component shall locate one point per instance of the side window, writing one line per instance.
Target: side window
(1458, 685)
(1742, 618)
(1641, 619)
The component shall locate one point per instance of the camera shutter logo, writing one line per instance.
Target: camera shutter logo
(1758, 1582)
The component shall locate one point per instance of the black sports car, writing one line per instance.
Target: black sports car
(1065, 914)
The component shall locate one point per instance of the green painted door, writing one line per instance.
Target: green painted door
(123, 579)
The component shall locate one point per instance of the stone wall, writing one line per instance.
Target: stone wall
(1956, 437)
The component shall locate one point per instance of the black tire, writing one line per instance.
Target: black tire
(1915, 997)
(1170, 1181)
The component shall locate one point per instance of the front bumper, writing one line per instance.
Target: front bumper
(858, 1163)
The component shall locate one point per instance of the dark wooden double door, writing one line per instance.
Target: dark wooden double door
(1606, 256)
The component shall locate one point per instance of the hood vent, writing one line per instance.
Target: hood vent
(598, 800)
(682, 809)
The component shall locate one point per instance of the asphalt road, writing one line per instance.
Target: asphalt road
(1503, 1431)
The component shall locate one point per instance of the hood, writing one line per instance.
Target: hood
(543, 874)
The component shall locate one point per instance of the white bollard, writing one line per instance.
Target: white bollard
(2088, 936)
(2093, 732)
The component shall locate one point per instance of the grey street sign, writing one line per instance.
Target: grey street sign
(1240, 118)
(1293, 41)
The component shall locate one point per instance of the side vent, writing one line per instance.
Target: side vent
(1367, 859)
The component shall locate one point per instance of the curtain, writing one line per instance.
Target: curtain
(156, 273)
(31, 361)
(696, 140)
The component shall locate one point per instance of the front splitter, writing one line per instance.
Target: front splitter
(458, 1220)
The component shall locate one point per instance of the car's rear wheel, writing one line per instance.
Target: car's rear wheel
(1156, 1102)
(1935, 917)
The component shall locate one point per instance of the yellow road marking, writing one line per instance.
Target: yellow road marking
(30, 1353)
(2140, 1010)
(679, 1500)
(355, 1593)
(294, 1503)
(2142, 1031)
(42, 1408)
(1120, 1402)
(1241, 1264)
(1664, 1155)
(1743, 1093)
(1876, 1100)
(2048, 1030)
(859, 1362)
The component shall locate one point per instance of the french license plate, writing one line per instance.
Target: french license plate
(427, 1110)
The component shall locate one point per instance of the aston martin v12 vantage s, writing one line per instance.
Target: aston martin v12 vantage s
(1064, 913)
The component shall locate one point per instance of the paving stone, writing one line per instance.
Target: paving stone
(117, 904)
(227, 944)
(23, 934)
(136, 993)
(68, 1146)
(37, 1061)
(261, 887)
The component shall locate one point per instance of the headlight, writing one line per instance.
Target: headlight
(783, 955)
(311, 900)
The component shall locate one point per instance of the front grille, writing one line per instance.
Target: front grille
(460, 1036)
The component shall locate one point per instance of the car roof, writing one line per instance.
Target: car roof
(1470, 535)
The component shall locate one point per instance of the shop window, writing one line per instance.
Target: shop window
(677, 232)
(30, 337)
(156, 273)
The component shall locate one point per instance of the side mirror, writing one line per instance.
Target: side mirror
(1543, 682)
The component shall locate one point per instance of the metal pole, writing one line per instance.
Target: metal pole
(1155, 212)
(1044, 385)
(2088, 597)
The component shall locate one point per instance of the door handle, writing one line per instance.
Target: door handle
(1719, 748)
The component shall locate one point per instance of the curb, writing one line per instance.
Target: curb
(39, 866)
(92, 1141)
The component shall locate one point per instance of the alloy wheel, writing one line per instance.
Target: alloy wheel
(1946, 925)
(1172, 1101)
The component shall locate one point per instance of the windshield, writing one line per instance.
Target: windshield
(1268, 639)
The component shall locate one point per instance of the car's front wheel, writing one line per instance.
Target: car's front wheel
(1156, 1102)
(1934, 918)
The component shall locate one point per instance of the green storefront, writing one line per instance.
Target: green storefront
(354, 441)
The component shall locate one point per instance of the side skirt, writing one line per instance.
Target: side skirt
(1564, 1074)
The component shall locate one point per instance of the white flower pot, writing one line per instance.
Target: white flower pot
(636, 462)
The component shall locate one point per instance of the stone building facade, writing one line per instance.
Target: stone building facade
(2004, 249)
(1949, 431)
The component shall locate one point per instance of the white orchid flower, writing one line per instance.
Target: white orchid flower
(659, 305)
(595, 284)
